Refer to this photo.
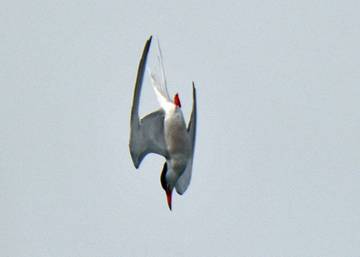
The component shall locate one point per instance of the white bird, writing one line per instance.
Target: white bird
(164, 131)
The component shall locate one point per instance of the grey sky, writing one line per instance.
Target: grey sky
(277, 162)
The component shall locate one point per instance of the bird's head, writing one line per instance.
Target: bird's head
(168, 188)
(177, 100)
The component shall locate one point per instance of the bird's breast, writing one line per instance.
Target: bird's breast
(176, 136)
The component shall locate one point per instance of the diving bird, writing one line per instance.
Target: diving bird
(163, 131)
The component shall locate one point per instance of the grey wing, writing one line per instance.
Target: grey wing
(184, 180)
(147, 134)
(148, 137)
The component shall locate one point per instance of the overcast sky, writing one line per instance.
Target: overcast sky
(277, 163)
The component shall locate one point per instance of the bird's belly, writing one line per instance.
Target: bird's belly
(177, 138)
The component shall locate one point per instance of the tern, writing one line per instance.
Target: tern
(163, 131)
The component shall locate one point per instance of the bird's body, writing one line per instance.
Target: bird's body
(178, 144)
(164, 131)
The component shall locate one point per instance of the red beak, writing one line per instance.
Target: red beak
(168, 197)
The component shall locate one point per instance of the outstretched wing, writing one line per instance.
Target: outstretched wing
(147, 134)
(184, 180)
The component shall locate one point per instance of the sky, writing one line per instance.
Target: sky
(277, 161)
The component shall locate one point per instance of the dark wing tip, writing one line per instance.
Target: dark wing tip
(194, 90)
(147, 44)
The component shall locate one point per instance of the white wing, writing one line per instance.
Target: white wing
(158, 80)
(162, 70)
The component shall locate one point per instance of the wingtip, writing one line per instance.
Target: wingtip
(148, 42)
(194, 88)
(135, 159)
